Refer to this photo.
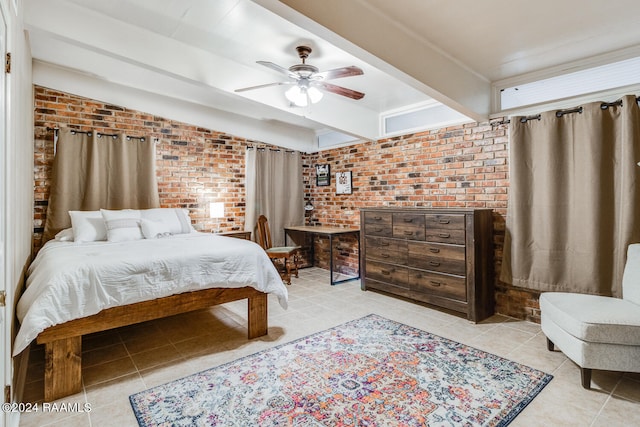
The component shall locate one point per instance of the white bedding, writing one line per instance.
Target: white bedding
(70, 280)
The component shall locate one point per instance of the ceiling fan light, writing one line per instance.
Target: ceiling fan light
(315, 95)
(300, 96)
(297, 96)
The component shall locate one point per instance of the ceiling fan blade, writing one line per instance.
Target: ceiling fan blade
(279, 69)
(339, 90)
(338, 73)
(244, 89)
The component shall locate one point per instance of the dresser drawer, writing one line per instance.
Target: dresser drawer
(387, 250)
(434, 256)
(445, 229)
(378, 224)
(408, 226)
(444, 235)
(387, 273)
(438, 284)
(387, 287)
(444, 222)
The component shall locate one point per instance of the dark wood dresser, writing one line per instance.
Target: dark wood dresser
(442, 257)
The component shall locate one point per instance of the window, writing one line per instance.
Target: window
(432, 115)
(595, 79)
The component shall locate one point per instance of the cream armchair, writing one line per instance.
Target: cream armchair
(597, 332)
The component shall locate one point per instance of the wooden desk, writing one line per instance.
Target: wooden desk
(246, 235)
(330, 232)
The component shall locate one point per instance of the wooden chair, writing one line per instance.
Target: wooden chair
(288, 254)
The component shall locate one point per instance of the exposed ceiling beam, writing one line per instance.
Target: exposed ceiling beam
(359, 29)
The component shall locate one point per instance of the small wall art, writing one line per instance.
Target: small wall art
(343, 182)
(323, 175)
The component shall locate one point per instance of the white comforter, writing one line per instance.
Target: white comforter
(70, 280)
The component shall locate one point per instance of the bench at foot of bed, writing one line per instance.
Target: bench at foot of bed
(63, 343)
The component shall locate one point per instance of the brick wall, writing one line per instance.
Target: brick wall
(463, 166)
(195, 166)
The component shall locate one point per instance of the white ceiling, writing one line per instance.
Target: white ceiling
(412, 52)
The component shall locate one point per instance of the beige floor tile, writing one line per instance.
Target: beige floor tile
(108, 371)
(114, 391)
(115, 414)
(104, 354)
(206, 360)
(171, 371)
(157, 356)
(144, 329)
(602, 382)
(138, 343)
(628, 389)
(100, 340)
(533, 353)
(62, 419)
(500, 340)
(618, 413)
(211, 343)
(67, 410)
(563, 403)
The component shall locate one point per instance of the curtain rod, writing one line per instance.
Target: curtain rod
(251, 147)
(100, 135)
(560, 113)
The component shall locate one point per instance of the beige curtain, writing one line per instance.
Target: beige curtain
(93, 171)
(574, 200)
(274, 189)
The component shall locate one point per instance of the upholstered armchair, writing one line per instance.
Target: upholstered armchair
(597, 332)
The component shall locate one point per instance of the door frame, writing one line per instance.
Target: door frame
(6, 370)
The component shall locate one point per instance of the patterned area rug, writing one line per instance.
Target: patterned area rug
(367, 372)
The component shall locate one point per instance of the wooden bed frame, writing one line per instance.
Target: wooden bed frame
(63, 343)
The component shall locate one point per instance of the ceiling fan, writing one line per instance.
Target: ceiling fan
(308, 83)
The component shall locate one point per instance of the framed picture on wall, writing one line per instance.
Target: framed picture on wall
(343, 182)
(323, 175)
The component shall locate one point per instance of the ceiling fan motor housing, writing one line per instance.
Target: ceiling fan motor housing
(303, 70)
(303, 52)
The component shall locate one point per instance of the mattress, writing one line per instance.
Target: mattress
(69, 280)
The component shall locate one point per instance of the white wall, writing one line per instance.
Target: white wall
(16, 207)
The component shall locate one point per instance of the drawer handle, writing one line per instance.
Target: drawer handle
(436, 284)
(408, 220)
(377, 229)
(434, 250)
(377, 218)
(444, 235)
(444, 221)
(384, 243)
(385, 255)
(408, 233)
(385, 272)
(433, 263)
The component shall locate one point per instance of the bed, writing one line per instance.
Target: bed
(80, 287)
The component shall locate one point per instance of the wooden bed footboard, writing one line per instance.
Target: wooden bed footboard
(63, 343)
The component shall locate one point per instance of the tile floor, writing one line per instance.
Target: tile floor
(124, 361)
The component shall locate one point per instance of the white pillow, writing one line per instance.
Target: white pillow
(65, 235)
(154, 229)
(176, 220)
(88, 226)
(122, 225)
